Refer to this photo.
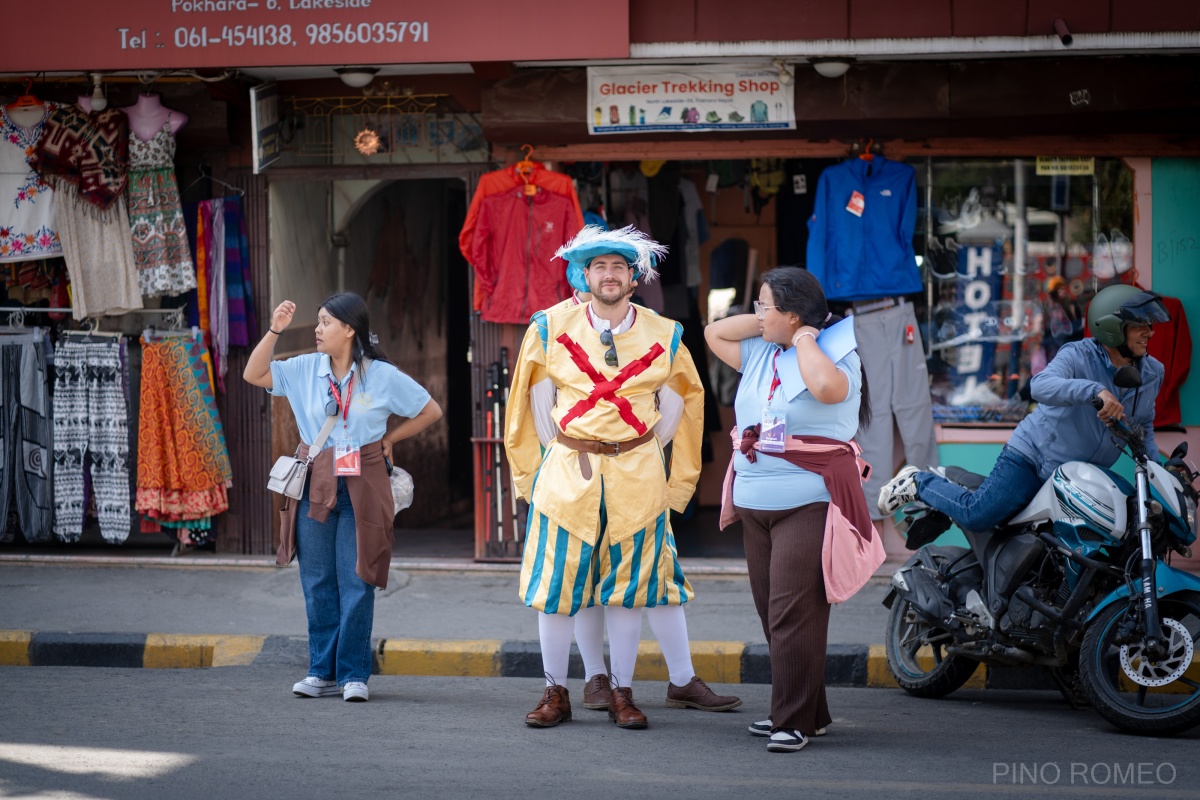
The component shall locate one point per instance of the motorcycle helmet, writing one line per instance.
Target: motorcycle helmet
(1115, 306)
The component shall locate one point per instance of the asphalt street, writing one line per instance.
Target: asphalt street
(238, 732)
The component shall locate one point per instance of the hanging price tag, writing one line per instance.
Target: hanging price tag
(857, 204)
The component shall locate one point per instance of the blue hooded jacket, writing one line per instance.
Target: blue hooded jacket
(868, 256)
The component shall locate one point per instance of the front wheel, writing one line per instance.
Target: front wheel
(917, 657)
(1152, 698)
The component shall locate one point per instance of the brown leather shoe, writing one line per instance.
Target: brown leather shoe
(697, 695)
(597, 693)
(622, 710)
(554, 707)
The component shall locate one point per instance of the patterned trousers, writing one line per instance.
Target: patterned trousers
(25, 438)
(90, 423)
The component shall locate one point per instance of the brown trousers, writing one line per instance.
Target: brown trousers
(783, 553)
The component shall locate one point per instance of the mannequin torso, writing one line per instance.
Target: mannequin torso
(148, 115)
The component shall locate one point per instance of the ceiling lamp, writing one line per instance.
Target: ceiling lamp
(785, 74)
(99, 101)
(830, 67)
(356, 77)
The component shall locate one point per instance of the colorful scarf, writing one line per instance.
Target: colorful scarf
(88, 151)
(183, 469)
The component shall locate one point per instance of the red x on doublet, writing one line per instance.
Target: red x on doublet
(604, 388)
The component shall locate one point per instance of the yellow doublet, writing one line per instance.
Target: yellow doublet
(606, 539)
(634, 483)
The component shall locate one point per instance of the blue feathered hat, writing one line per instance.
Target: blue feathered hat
(635, 247)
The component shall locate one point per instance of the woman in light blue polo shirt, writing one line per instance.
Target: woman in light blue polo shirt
(341, 528)
(789, 382)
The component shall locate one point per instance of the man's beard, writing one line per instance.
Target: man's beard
(621, 294)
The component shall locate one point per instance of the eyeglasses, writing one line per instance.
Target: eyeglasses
(760, 310)
(610, 356)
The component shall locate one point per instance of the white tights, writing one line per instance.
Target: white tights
(589, 635)
(555, 631)
(669, 624)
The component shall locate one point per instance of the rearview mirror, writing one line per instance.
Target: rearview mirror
(1128, 377)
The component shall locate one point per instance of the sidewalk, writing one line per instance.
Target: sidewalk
(436, 618)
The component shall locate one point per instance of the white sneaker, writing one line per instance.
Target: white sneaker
(355, 692)
(763, 728)
(786, 741)
(315, 687)
(899, 491)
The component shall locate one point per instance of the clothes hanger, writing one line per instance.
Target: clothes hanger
(26, 100)
(524, 169)
(89, 331)
(239, 191)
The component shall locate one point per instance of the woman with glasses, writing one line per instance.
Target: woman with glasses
(797, 408)
(341, 528)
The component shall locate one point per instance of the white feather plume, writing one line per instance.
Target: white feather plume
(646, 248)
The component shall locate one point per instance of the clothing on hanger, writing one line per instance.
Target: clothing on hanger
(91, 435)
(860, 243)
(27, 222)
(512, 253)
(25, 435)
(160, 243)
(183, 471)
(507, 180)
(1172, 345)
(87, 151)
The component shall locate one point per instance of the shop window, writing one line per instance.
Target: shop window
(1010, 259)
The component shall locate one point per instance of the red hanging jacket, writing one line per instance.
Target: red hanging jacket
(512, 250)
(503, 180)
(1172, 345)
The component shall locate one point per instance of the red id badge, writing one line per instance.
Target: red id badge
(347, 459)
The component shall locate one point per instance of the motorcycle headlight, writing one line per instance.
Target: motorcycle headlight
(1189, 512)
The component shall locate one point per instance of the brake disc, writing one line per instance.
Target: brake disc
(1144, 672)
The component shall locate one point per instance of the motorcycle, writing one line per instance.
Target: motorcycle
(1077, 582)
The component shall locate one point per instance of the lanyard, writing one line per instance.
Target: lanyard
(337, 396)
(774, 378)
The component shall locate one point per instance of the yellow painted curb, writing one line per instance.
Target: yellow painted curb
(880, 677)
(719, 662)
(14, 648)
(474, 658)
(172, 651)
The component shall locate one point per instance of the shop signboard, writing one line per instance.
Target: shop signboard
(264, 125)
(1065, 166)
(216, 34)
(687, 98)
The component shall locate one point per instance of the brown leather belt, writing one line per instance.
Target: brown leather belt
(585, 446)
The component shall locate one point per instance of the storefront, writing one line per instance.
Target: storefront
(1030, 162)
(317, 216)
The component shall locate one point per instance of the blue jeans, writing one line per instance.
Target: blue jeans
(1009, 487)
(340, 605)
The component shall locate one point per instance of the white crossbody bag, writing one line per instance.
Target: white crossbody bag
(288, 474)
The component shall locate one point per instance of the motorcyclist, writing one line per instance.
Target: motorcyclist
(1065, 426)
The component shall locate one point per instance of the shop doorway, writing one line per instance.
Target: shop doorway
(394, 243)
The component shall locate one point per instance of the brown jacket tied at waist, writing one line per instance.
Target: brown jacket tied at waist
(371, 498)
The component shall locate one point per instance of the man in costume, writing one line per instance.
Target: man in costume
(599, 532)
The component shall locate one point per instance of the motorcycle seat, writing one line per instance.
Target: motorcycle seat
(965, 478)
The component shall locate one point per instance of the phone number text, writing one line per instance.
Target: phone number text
(317, 34)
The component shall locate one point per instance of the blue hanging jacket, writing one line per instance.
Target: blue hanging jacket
(868, 256)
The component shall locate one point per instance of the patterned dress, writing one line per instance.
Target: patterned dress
(27, 229)
(160, 245)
